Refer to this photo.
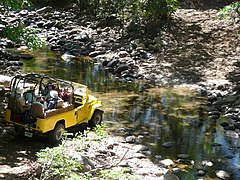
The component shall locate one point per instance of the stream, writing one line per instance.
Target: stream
(173, 115)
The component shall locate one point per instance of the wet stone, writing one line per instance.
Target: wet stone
(183, 156)
(201, 172)
(170, 177)
(26, 56)
(168, 144)
(224, 124)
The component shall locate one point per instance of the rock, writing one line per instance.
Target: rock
(183, 156)
(214, 113)
(212, 98)
(207, 163)
(14, 58)
(130, 139)
(169, 177)
(201, 172)
(123, 54)
(44, 9)
(222, 174)
(67, 57)
(55, 47)
(83, 37)
(26, 56)
(231, 134)
(96, 53)
(113, 63)
(167, 162)
(237, 125)
(5, 80)
(214, 116)
(168, 144)
(230, 127)
(219, 103)
(224, 124)
(231, 99)
(121, 68)
(140, 148)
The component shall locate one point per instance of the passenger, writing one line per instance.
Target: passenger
(41, 101)
(29, 96)
(48, 91)
(66, 95)
(52, 101)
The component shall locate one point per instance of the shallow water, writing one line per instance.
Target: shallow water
(156, 116)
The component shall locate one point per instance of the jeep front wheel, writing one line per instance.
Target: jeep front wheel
(96, 119)
(55, 136)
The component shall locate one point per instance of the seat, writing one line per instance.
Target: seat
(37, 111)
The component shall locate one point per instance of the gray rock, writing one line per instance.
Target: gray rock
(231, 99)
(222, 174)
(96, 53)
(183, 156)
(140, 148)
(201, 172)
(169, 177)
(44, 9)
(168, 144)
(231, 134)
(130, 139)
(121, 68)
(26, 56)
(167, 162)
(123, 54)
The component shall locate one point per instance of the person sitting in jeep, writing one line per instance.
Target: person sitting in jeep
(52, 101)
(65, 95)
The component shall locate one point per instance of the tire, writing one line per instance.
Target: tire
(55, 136)
(96, 119)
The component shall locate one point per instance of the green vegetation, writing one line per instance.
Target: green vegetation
(18, 33)
(67, 161)
(15, 4)
(23, 35)
(153, 13)
(230, 11)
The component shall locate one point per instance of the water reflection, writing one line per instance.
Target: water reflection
(159, 115)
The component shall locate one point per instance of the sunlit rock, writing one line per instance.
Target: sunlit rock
(222, 174)
(167, 162)
(231, 134)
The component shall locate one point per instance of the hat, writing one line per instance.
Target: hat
(54, 94)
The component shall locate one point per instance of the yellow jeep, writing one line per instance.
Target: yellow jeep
(36, 105)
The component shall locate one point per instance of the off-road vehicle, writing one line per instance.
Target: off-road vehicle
(29, 113)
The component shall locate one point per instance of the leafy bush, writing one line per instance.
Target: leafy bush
(124, 9)
(230, 11)
(15, 4)
(23, 35)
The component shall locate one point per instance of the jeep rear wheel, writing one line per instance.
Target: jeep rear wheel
(96, 119)
(55, 136)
